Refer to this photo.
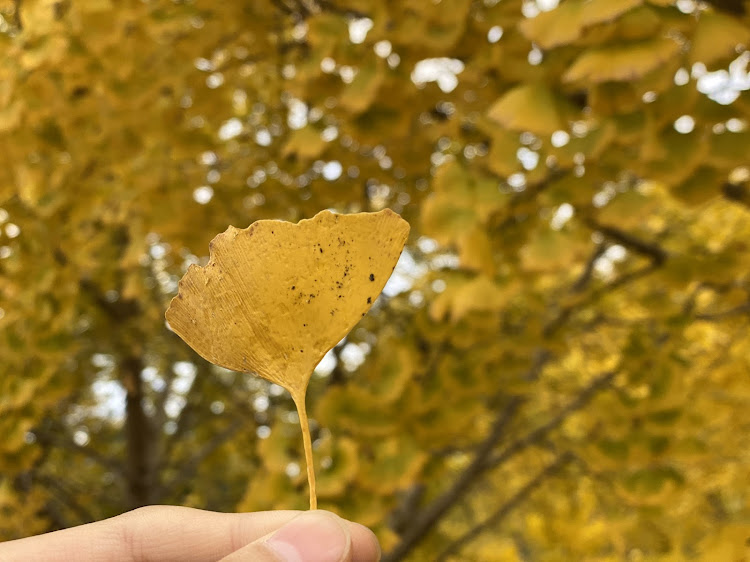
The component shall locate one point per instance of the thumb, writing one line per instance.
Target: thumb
(312, 536)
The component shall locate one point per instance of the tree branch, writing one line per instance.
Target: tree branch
(67, 498)
(430, 516)
(735, 7)
(657, 254)
(537, 435)
(588, 271)
(512, 503)
(558, 321)
(736, 311)
(160, 415)
(328, 6)
(190, 467)
(185, 416)
(283, 6)
(54, 440)
(17, 10)
(737, 193)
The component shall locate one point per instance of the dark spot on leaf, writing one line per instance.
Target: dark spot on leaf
(179, 296)
(79, 92)
(369, 300)
(372, 277)
(301, 350)
(321, 250)
(293, 287)
(363, 314)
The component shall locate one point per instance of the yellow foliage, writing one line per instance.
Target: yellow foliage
(622, 63)
(532, 107)
(716, 37)
(563, 343)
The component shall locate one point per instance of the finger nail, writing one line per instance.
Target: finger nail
(314, 536)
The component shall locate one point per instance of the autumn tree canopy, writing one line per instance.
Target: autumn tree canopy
(558, 369)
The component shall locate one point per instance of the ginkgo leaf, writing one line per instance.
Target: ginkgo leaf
(276, 296)
(532, 107)
(716, 37)
(622, 63)
(363, 91)
(566, 23)
(560, 26)
(695, 191)
(306, 143)
(503, 159)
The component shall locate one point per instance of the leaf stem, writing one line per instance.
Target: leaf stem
(304, 423)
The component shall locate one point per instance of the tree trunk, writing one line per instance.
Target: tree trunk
(139, 433)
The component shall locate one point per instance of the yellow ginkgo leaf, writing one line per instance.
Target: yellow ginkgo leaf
(276, 296)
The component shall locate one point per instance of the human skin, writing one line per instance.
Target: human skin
(168, 533)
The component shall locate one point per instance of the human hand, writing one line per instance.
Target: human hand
(163, 533)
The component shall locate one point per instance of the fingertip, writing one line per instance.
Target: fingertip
(313, 536)
(365, 544)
